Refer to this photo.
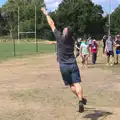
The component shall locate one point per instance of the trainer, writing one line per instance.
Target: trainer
(67, 61)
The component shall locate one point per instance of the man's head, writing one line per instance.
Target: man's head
(79, 39)
(85, 41)
(94, 41)
(109, 37)
(105, 37)
(67, 31)
(118, 36)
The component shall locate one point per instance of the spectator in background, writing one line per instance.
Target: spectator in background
(89, 41)
(117, 45)
(110, 51)
(84, 53)
(78, 47)
(94, 50)
(104, 43)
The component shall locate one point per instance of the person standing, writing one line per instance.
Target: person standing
(117, 45)
(66, 59)
(78, 47)
(94, 50)
(84, 53)
(90, 41)
(104, 43)
(109, 49)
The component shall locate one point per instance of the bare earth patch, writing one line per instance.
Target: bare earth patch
(32, 89)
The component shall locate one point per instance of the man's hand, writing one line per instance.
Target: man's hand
(117, 45)
(77, 47)
(43, 9)
(80, 54)
(49, 19)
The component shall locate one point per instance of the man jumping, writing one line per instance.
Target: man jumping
(67, 61)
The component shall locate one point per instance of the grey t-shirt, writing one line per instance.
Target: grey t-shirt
(109, 44)
(65, 48)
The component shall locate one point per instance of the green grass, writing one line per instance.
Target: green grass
(22, 49)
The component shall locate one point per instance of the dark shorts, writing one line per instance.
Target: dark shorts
(117, 52)
(70, 73)
(110, 53)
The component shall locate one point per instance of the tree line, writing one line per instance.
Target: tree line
(85, 18)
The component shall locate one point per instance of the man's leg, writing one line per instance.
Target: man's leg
(76, 87)
(103, 50)
(112, 58)
(78, 91)
(117, 53)
(108, 58)
(86, 60)
(72, 77)
(116, 59)
(83, 60)
(73, 89)
(93, 58)
(77, 53)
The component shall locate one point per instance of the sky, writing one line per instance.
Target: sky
(53, 4)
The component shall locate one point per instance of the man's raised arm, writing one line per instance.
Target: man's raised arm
(49, 19)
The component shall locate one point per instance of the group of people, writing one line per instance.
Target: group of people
(69, 69)
(85, 48)
(109, 43)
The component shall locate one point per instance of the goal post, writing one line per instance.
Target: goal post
(28, 32)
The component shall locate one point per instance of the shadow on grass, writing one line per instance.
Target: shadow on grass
(96, 114)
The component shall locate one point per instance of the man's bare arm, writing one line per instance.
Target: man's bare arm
(49, 19)
(52, 42)
(80, 50)
(77, 47)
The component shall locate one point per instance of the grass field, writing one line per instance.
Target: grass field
(31, 88)
(22, 49)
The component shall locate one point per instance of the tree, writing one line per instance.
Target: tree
(82, 15)
(2, 23)
(27, 13)
(115, 21)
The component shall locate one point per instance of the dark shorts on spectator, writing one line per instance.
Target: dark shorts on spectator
(110, 53)
(117, 52)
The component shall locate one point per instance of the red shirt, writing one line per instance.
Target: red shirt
(94, 47)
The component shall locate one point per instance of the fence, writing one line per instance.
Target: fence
(14, 48)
